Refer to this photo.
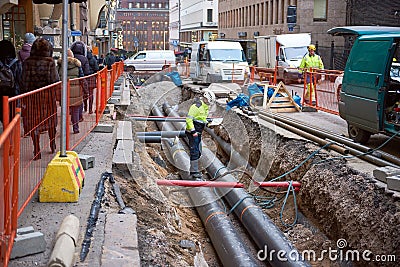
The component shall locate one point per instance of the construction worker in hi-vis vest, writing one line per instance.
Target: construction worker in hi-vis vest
(196, 120)
(311, 61)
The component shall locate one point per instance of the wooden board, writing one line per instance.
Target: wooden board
(282, 103)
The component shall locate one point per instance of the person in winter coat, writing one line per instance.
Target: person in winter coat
(25, 51)
(196, 120)
(9, 88)
(94, 68)
(40, 110)
(74, 70)
(79, 50)
(110, 60)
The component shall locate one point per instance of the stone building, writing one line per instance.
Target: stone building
(144, 24)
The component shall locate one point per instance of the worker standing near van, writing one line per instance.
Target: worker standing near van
(310, 61)
(196, 120)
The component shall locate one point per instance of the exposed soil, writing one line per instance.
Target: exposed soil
(340, 202)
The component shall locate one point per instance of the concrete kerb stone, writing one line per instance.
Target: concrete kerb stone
(27, 242)
(382, 173)
(120, 229)
(393, 183)
(124, 130)
(66, 241)
(125, 98)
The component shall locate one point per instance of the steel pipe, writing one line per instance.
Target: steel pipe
(354, 148)
(306, 135)
(200, 183)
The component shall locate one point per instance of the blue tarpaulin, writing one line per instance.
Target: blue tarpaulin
(241, 100)
(174, 75)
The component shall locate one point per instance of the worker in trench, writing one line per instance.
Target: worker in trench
(196, 120)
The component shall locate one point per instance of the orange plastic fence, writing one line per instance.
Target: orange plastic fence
(33, 146)
(326, 92)
(10, 159)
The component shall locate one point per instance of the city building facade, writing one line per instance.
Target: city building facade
(198, 21)
(144, 24)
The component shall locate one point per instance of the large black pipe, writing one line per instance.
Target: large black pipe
(165, 134)
(229, 246)
(263, 231)
(149, 139)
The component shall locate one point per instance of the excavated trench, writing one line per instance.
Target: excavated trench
(345, 211)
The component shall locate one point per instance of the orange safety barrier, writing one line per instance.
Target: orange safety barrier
(326, 93)
(36, 145)
(10, 159)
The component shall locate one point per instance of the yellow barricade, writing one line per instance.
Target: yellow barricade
(63, 179)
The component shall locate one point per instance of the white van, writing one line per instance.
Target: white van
(218, 61)
(151, 60)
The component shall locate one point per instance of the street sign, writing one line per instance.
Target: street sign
(76, 33)
(115, 35)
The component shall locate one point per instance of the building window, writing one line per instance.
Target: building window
(14, 27)
(320, 10)
(209, 15)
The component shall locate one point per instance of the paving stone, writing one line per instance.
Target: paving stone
(104, 128)
(86, 161)
(25, 230)
(382, 173)
(114, 100)
(28, 244)
(393, 183)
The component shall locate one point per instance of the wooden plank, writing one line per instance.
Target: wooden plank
(283, 104)
(282, 98)
(283, 110)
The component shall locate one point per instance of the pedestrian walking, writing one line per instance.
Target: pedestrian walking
(110, 60)
(79, 50)
(74, 70)
(10, 73)
(92, 82)
(40, 110)
(25, 51)
(196, 120)
(311, 61)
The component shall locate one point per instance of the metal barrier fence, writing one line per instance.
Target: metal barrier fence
(39, 137)
(326, 90)
(10, 159)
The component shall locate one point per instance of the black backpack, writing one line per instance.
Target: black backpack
(7, 79)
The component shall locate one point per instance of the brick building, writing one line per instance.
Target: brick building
(144, 24)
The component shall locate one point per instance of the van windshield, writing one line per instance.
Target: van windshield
(295, 52)
(227, 55)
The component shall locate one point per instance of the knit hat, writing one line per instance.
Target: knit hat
(29, 38)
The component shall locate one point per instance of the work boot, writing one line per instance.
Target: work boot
(194, 170)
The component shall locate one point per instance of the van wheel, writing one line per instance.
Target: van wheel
(130, 68)
(165, 67)
(358, 135)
